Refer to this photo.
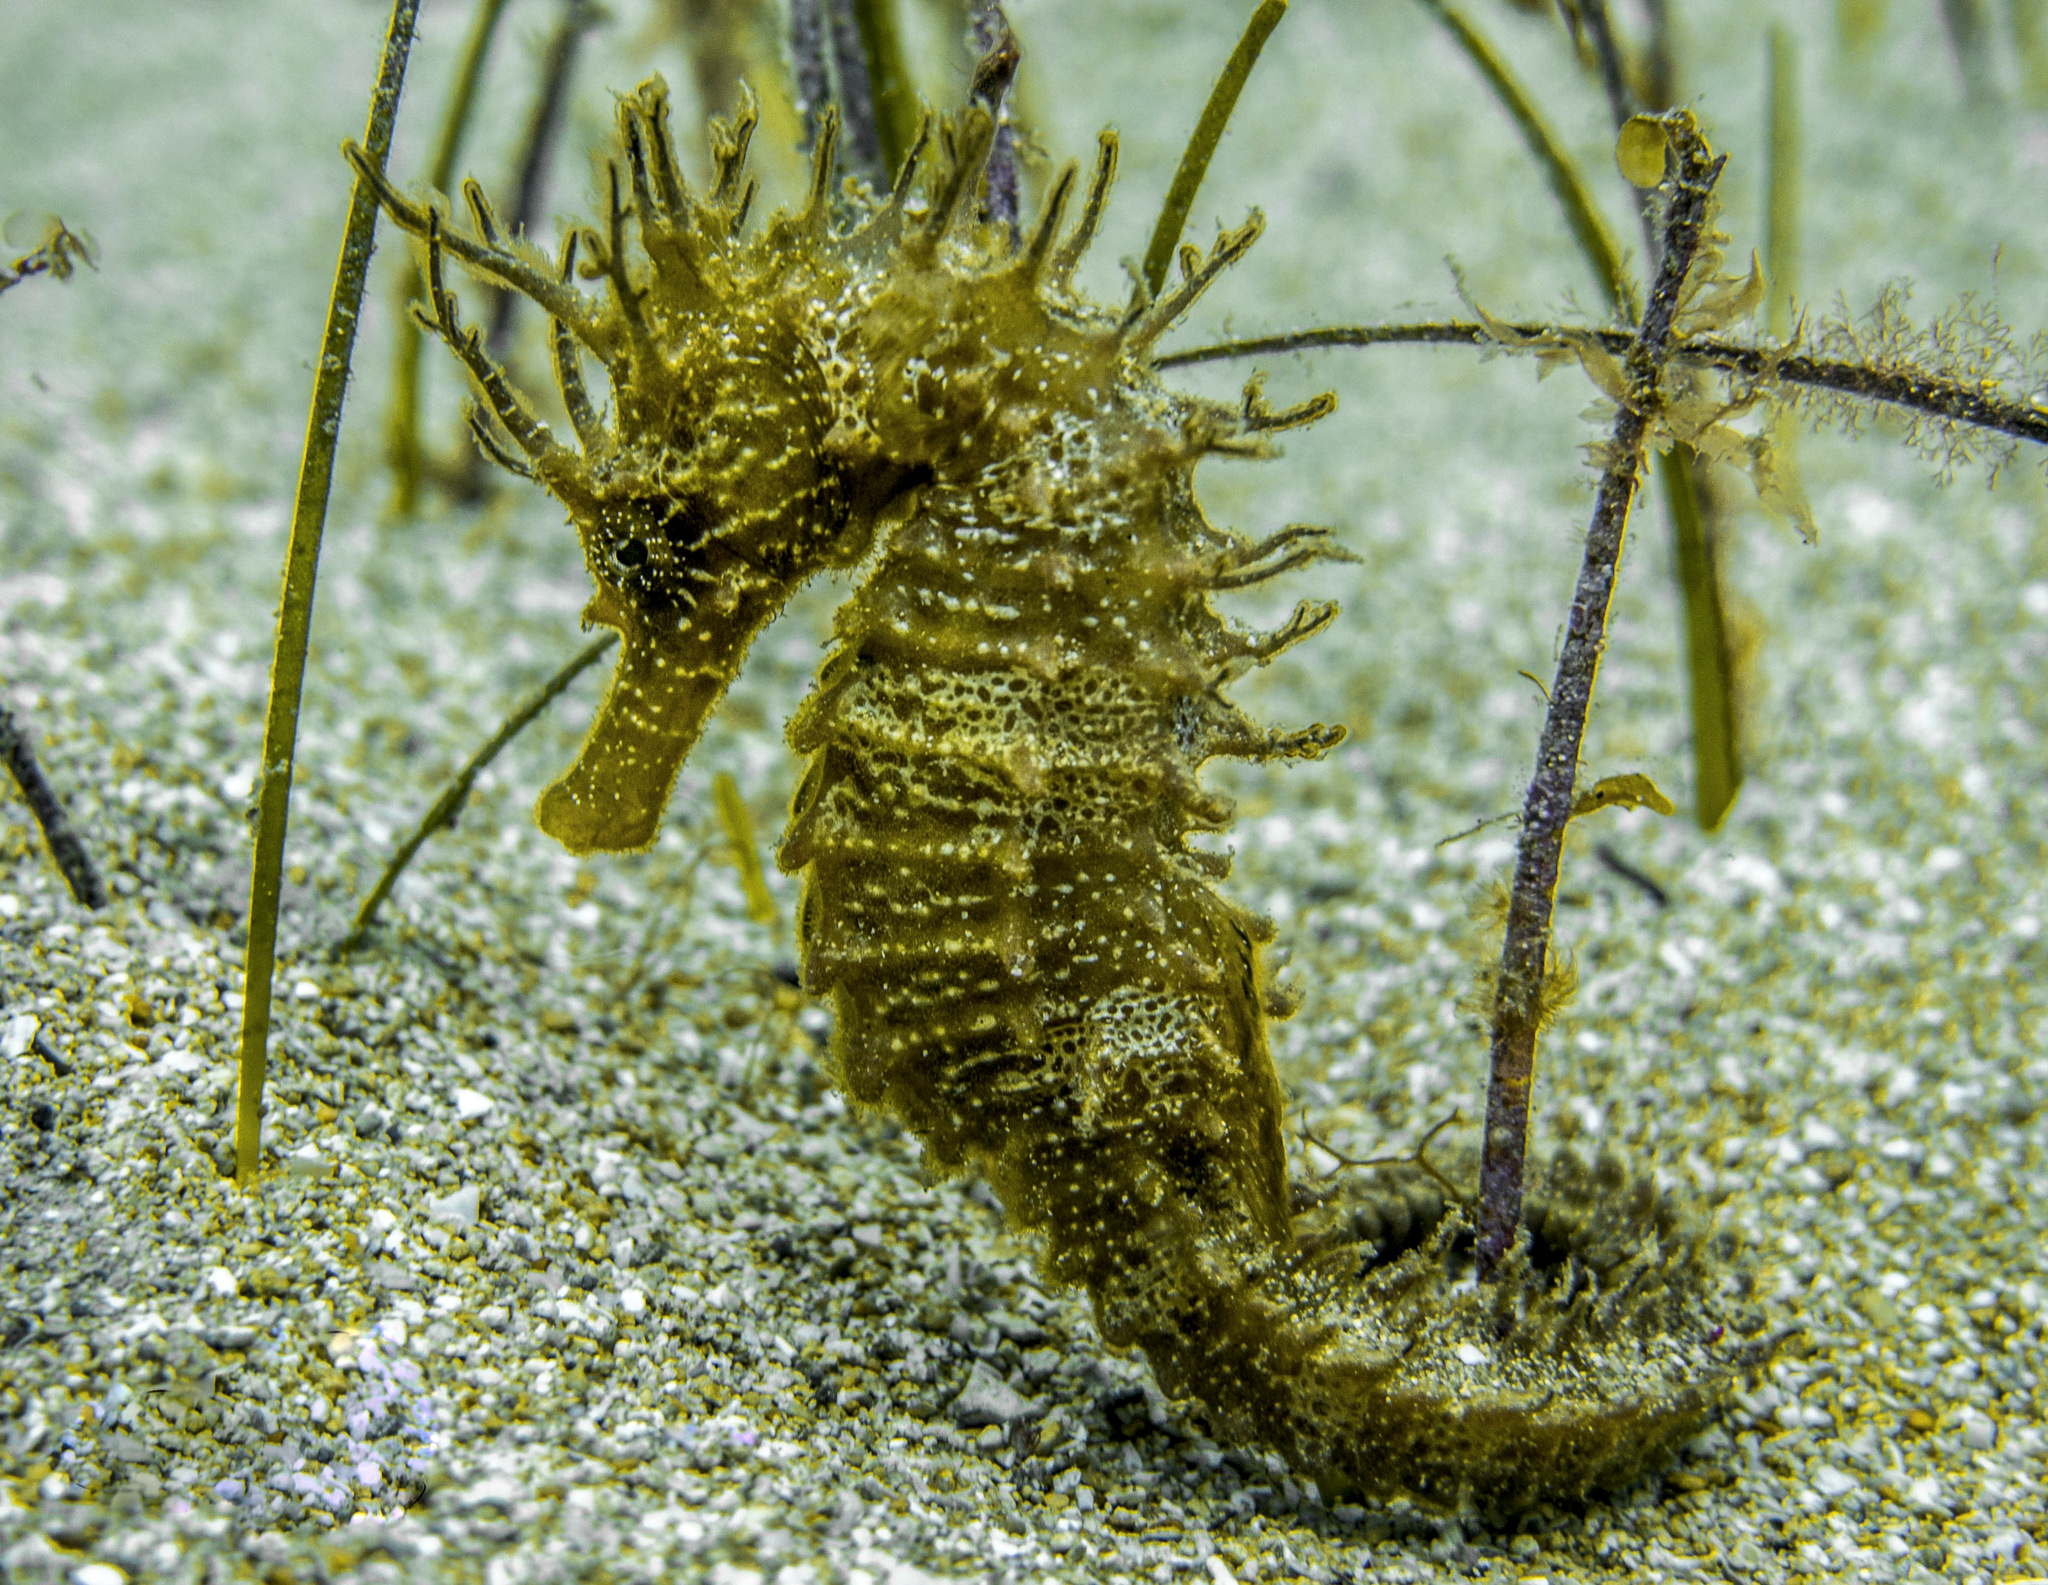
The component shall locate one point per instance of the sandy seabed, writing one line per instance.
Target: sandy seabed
(572, 1265)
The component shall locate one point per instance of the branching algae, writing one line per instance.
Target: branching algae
(1028, 962)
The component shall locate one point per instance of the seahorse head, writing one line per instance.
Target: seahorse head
(775, 396)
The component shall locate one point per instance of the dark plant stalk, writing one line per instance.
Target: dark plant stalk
(1696, 532)
(543, 131)
(1660, 60)
(1621, 104)
(1717, 772)
(860, 135)
(1519, 1000)
(1917, 390)
(807, 61)
(402, 438)
(1709, 652)
(66, 847)
(1208, 133)
(1599, 32)
(445, 808)
(1717, 766)
(295, 611)
(1969, 35)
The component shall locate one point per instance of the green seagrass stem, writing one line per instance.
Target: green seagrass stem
(1781, 182)
(1518, 1010)
(446, 807)
(402, 436)
(1710, 656)
(896, 109)
(1194, 160)
(295, 612)
(1596, 242)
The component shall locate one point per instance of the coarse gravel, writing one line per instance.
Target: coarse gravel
(570, 1264)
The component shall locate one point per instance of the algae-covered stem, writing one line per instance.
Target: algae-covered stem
(1518, 1008)
(1978, 403)
(1695, 529)
(66, 848)
(295, 612)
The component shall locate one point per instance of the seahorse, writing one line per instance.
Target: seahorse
(1027, 956)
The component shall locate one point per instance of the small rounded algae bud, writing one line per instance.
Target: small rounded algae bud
(1639, 151)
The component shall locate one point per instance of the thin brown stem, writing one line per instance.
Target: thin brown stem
(73, 861)
(543, 131)
(1621, 104)
(861, 149)
(1918, 390)
(1520, 1000)
(1418, 1157)
(445, 808)
(807, 63)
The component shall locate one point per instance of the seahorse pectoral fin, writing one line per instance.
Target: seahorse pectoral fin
(611, 800)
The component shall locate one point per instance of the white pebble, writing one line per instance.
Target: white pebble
(19, 1035)
(459, 1209)
(471, 1104)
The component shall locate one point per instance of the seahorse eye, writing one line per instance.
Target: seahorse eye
(631, 554)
